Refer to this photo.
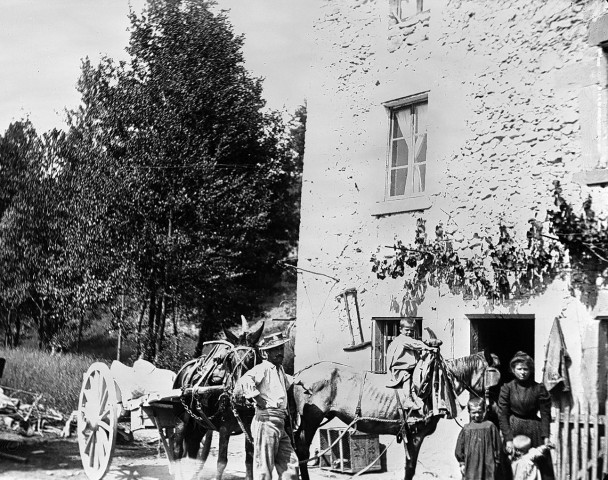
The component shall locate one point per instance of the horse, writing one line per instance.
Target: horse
(331, 390)
(220, 366)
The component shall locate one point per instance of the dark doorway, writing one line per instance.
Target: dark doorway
(503, 335)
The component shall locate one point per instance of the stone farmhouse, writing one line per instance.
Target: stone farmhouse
(462, 113)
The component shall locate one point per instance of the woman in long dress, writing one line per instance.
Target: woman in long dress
(525, 409)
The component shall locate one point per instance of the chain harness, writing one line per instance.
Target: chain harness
(230, 378)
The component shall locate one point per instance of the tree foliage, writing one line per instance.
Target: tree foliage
(174, 191)
(185, 169)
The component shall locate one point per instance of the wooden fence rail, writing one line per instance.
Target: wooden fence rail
(581, 446)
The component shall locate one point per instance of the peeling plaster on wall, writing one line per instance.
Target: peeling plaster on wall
(504, 83)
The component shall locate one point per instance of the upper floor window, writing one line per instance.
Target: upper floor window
(592, 112)
(402, 9)
(407, 156)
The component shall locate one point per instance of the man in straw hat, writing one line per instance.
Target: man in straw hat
(402, 355)
(267, 384)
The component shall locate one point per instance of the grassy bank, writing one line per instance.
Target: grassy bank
(57, 378)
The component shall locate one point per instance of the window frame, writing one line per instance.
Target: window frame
(412, 102)
(594, 101)
(397, 9)
(384, 330)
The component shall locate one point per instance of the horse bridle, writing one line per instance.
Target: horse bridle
(237, 369)
(491, 378)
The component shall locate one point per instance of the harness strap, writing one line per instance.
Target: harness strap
(240, 421)
(358, 409)
(201, 419)
(403, 417)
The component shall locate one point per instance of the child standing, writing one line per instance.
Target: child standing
(478, 447)
(525, 458)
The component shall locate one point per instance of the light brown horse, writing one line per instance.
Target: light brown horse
(331, 390)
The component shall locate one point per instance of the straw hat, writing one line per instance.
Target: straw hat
(272, 341)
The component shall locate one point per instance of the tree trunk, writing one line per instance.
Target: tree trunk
(160, 330)
(8, 330)
(140, 322)
(198, 350)
(175, 329)
(41, 335)
(148, 347)
(17, 338)
(119, 342)
(202, 333)
(80, 329)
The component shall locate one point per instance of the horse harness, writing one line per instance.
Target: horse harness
(207, 365)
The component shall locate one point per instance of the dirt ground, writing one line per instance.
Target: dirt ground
(53, 458)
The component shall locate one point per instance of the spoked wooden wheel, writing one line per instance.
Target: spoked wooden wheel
(97, 420)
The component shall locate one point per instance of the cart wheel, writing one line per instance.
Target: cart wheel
(97, 420)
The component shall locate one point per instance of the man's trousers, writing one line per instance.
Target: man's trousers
(272, 446)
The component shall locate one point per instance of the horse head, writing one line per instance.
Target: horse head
(246, 337)
(475, 373)
(245, 353)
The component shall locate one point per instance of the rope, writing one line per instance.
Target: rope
(358, 409)
(369, 465)
(320, 454)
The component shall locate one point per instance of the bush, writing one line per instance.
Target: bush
(57, 378)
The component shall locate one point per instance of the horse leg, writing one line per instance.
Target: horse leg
(206, 446)
(188, 437)
(248, 460)
(412, 449)
(222, 454)
(414, 443)
(309, 423)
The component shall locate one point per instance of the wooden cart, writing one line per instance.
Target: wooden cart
(101, 407)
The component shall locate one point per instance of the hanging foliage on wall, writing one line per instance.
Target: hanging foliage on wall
(585, 237)
(502, 269)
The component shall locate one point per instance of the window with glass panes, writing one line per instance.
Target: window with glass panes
(407, 156)
(385, 329)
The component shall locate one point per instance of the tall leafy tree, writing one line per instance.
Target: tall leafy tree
(179, 172)
(31, 239)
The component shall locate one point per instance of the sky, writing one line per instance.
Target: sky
(42, 43)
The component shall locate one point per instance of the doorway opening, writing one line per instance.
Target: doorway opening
(503, 335)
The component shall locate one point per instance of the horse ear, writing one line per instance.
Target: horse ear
(232, 338)
(254, 337)
(488, 356)
(431, 333)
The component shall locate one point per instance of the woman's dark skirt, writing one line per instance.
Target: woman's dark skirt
(531, 427)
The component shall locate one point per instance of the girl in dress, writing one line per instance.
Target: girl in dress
(478, 448)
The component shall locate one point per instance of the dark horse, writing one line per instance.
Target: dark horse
(220, 366)
(331, 390)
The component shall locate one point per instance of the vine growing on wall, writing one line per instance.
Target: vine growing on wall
(585, 237)
(504, 268)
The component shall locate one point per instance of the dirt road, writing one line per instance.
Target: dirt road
(56, 458)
